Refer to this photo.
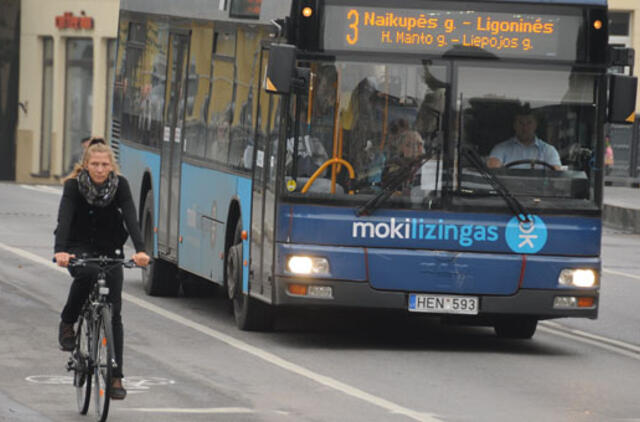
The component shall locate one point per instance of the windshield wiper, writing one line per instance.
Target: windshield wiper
(393, 182)
(512, 202)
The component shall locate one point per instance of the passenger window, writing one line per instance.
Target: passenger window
(220, 113)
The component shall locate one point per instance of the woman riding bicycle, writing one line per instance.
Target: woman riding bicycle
(95, 203)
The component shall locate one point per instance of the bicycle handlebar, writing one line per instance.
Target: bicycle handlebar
(102, 261)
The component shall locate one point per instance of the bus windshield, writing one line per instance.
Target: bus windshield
(378, 118)
(537, 138)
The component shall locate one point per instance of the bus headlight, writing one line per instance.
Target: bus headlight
(307, 265)
(578, 277)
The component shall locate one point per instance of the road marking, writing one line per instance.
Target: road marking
(43, 188)
(50, 379)
(210, 411)
(614, 272)
(255, 351)
(134, 384)
(621, 347)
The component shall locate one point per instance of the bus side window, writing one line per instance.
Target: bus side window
(198, 90)
(247, 74)
(221, 106)
(134, 84)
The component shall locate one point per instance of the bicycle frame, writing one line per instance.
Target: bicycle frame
(95, 324)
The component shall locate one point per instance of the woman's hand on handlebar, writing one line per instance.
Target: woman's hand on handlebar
(141, 259)
(62, 258)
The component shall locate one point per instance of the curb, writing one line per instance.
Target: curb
(627, 219)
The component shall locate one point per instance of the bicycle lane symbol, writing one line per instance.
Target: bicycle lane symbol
(133, 384)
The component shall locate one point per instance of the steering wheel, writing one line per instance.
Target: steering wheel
(532, 162)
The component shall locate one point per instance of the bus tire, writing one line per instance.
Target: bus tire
(516, 327)
(250, 314)
(160, 277)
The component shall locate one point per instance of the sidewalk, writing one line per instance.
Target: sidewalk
(622, 208)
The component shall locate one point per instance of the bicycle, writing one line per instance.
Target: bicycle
(94, 355)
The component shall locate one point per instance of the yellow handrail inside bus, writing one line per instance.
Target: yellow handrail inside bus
(336, 122)
(330, 161)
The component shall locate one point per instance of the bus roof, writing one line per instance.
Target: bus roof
(270, 9)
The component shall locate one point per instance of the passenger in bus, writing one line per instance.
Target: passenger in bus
(524, 145)
(408, 147)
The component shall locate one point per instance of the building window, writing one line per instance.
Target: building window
(619, 24)
(620, 28)
(111, 67)
(78, 98)
(47, 105)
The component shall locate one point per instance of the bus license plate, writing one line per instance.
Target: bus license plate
(443, 304)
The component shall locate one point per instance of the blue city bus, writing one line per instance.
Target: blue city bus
(338, 153)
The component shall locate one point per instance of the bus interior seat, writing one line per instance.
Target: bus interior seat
(320, 185)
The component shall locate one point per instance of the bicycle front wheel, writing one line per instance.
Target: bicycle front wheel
(82, 367)
(104, 362)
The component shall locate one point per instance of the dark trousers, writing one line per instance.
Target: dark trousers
(83, 279)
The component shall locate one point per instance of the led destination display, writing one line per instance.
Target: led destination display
(439, 31)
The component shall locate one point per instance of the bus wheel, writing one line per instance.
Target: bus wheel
(250, 314)
(160, 277)
(516, 327)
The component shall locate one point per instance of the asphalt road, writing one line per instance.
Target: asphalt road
(185, 360)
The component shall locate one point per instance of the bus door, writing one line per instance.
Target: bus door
(264, 190)
(171, 157)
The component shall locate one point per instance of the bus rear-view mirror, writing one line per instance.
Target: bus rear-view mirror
(281, 69)
(622, 98)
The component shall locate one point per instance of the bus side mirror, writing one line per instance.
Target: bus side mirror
(283, 77)
(281, 69)
(622, 98)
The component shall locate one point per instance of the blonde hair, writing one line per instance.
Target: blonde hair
(95, 145)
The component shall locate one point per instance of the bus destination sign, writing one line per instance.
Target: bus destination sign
(439, 31)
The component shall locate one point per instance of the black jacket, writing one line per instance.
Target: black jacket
(82, 227)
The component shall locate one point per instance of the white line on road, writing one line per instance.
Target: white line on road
(214, 410)
(43, 188)
(255, 351)
(627, 349)
(606, 270)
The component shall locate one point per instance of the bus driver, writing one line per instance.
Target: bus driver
(524, 145)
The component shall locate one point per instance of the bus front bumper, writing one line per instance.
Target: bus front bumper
(533, 302)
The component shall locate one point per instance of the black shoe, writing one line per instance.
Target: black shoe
(66, 337)
(117, 393)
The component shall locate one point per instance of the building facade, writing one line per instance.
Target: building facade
(9, 76)
(66, 62)
(624, 27)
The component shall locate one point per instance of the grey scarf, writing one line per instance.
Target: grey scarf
(98, 195)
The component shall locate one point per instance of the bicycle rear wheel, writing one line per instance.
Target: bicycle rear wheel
(104, 362)
(82, 367)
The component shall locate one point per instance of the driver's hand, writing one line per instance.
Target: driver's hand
(62, 258)
(494, 163)
(141, 259)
